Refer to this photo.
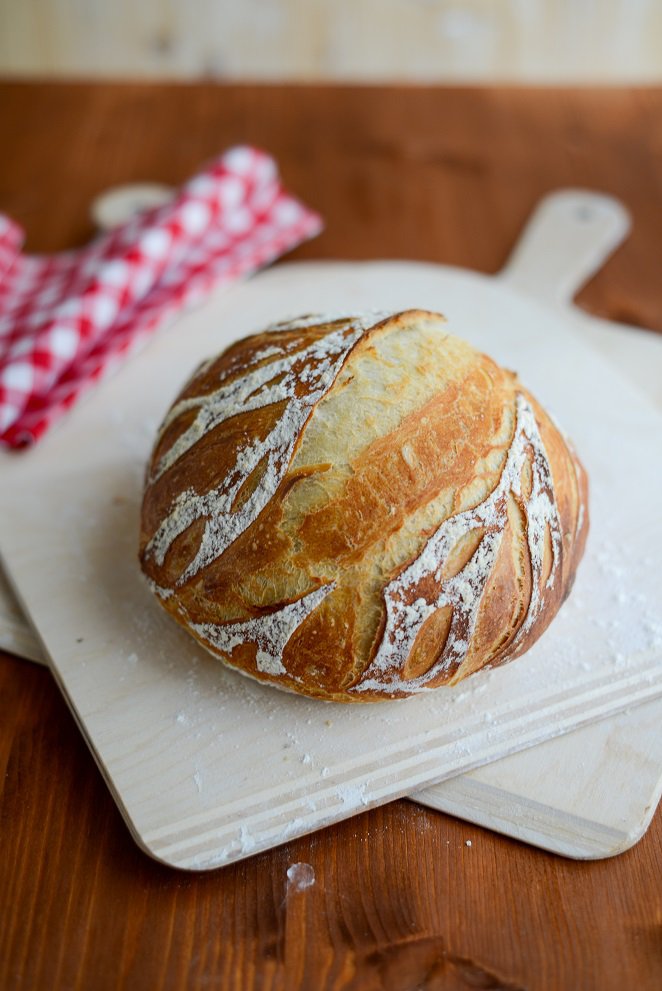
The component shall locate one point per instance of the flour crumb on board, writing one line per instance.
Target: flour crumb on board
(182, 719)
(300, 877)
(352, 795)
(197, 780)
(246, 840)
(467, 842)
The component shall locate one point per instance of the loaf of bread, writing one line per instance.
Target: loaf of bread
(361, 508)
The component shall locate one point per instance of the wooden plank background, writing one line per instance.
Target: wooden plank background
(439, 40)
(400, 901)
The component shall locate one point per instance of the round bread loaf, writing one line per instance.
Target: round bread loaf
(361, 508)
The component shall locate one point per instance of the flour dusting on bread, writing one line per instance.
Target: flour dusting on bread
(298, 380)
(269, 633)
(408, 605)
(361, 508)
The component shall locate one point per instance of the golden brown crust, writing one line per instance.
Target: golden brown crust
(362, 508)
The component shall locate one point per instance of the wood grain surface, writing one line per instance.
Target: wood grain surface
(400, 901)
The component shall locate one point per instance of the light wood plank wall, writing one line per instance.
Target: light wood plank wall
(443, 40)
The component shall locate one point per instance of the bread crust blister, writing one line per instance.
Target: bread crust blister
(361, 508)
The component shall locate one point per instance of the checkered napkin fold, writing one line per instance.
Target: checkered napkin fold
(68, 320)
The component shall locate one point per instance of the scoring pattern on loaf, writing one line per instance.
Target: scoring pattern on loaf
(290, 374)
(297, 377)
(409, 604)
(269, 633)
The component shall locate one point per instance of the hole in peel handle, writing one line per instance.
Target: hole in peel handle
(568, 238)
(117, 205)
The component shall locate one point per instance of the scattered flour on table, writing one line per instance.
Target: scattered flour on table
(300, 877)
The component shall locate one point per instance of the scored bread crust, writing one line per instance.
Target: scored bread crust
(361, 508)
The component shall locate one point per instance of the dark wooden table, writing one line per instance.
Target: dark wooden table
(400, 902)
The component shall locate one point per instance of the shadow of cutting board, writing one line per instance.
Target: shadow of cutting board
(167, 723)
(16, 635)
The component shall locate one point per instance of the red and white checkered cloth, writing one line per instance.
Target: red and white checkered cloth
(68, 320)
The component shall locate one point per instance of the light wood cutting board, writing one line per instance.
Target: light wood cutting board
(208, 767)
(593, 792)
(588, 794)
